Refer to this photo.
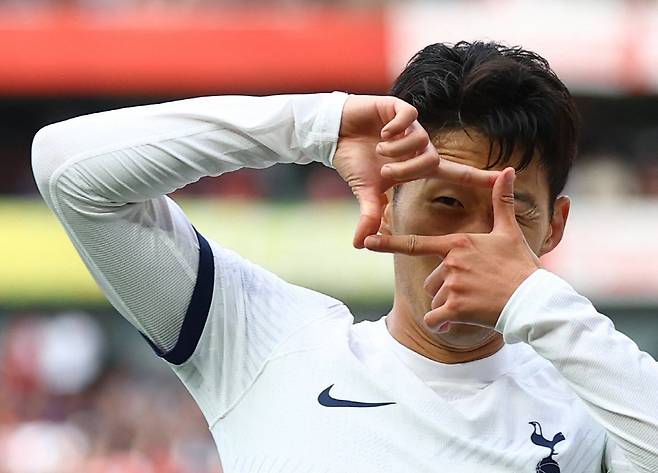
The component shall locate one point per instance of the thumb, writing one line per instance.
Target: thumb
(371, 206)
(503, 201)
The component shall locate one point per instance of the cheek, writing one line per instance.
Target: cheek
(535, 236)
(413, 270)
(423, 220)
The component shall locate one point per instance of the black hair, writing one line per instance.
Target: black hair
(509, 94)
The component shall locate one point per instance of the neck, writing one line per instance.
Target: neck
(441, 348)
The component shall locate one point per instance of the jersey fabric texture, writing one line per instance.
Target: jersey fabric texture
(285, 379)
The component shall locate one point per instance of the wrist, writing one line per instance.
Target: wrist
(326, 126)
(520, 302)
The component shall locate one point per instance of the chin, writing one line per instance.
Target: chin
(465, 336)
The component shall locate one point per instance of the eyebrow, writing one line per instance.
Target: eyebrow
(526, 198)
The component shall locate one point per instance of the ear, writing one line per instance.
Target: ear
(387, 216)
(557, 224)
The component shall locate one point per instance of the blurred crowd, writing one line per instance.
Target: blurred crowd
(68, 407)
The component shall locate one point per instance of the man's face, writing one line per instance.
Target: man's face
(436, 207)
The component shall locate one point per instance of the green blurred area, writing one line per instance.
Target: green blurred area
(304, 243)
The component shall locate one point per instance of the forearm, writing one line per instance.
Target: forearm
(135, 154)
(617, 382)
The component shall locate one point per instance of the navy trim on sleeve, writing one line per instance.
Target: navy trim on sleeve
(197, 311)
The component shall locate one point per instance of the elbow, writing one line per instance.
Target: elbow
(49, 151)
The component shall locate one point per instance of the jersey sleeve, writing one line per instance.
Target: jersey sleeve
(617, 382)
(614, 460)
(106, 176)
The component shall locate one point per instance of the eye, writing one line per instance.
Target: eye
(449, 201)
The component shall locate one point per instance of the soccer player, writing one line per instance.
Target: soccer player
(486, 362)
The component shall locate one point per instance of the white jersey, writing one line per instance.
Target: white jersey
(286, 380)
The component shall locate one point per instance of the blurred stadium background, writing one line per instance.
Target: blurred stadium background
(79, 389)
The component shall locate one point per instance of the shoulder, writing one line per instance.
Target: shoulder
(330, 326)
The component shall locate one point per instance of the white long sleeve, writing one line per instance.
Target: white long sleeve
(617, 382)
(105, 176)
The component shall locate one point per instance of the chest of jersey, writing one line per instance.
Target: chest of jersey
(329, 411)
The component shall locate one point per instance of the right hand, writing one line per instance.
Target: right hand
(478, 272)
(381, 144)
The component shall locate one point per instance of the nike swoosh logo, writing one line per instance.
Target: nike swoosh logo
(326, 400)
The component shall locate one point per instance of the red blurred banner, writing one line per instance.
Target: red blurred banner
(173, 51)
(595, 47)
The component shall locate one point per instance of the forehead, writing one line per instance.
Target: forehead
(469, 146)
(473, 148)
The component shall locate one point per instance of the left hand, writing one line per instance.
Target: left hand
(479, 272)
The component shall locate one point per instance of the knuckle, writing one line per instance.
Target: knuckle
(453, 304)
(434, 157)
(394, 169)
(454, 284)
(517, 238)
(463, 241)
(411, 244)
(383, 148)
(507, 198)
(450, 286)
(450, 263)
(422, 138)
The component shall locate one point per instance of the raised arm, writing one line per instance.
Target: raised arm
(211, 313)
(105, 176)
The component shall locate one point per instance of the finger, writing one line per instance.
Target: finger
(503, 201)
(458, 173)
(440, 297)
(404, 116)
(438, 320)
(415, 141)
(412, 244)
(371, 207)
(423, 165)
(435, 280)
(466, 175)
